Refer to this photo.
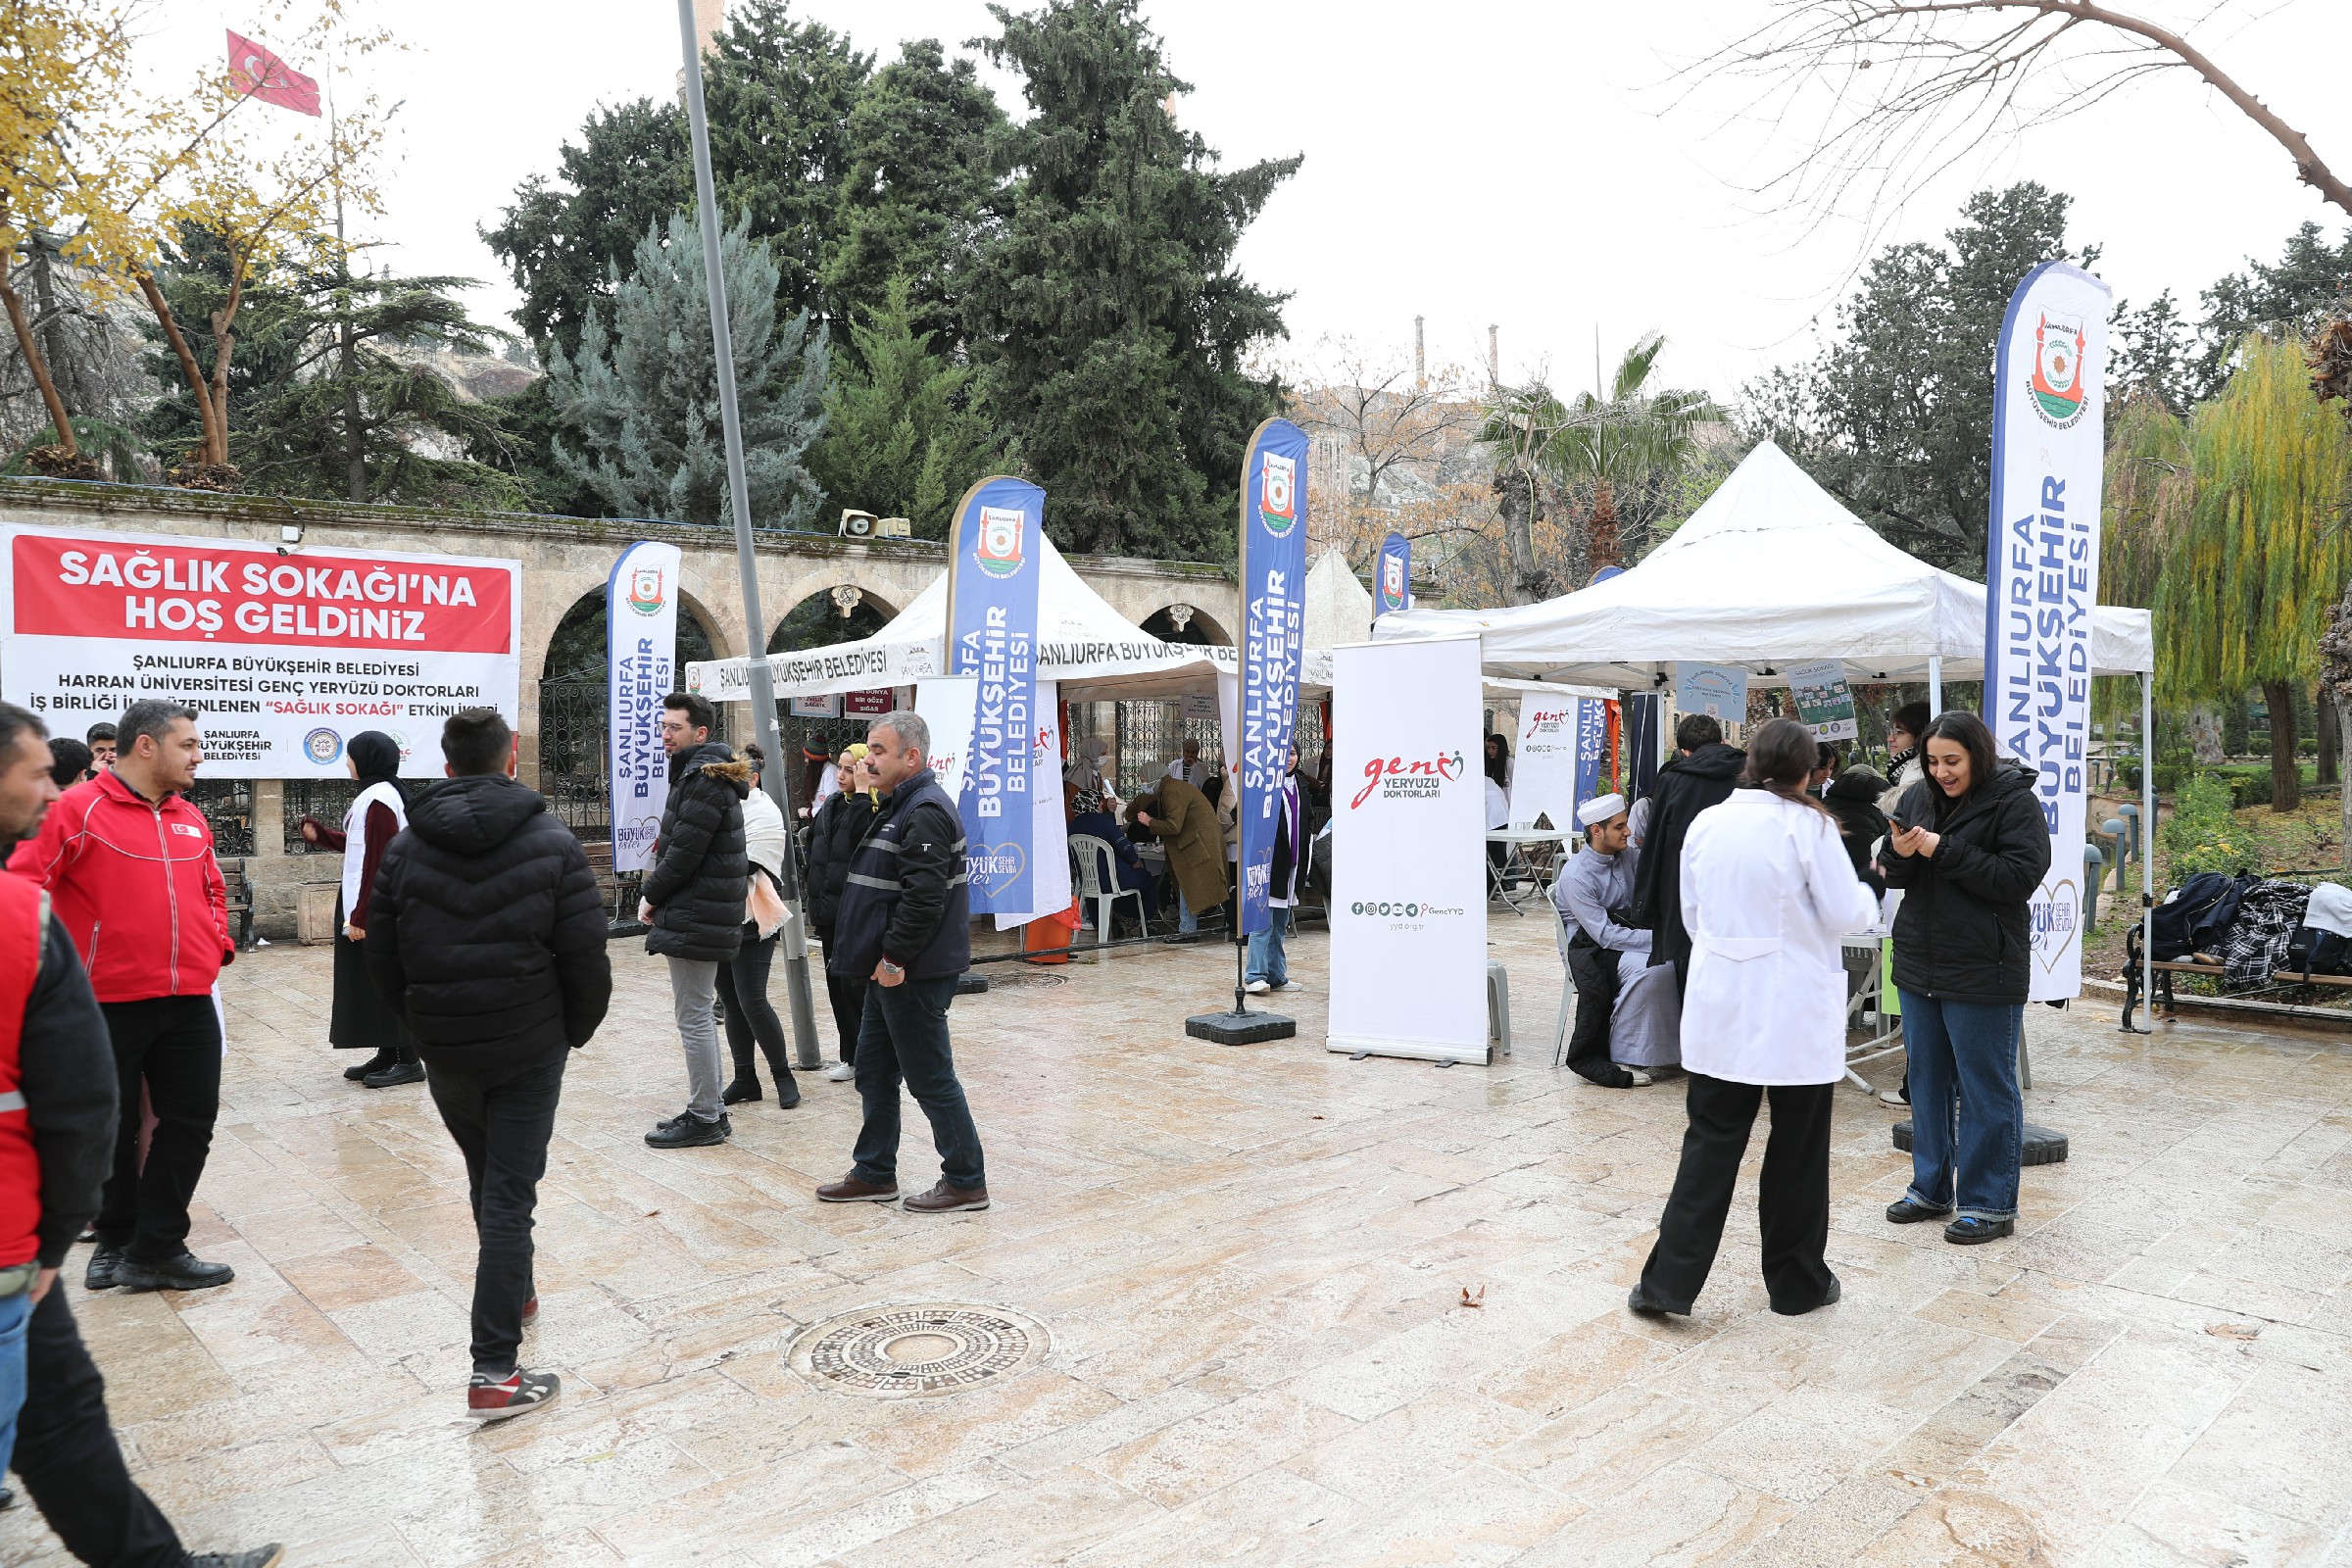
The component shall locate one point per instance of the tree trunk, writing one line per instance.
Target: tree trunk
(38, 364)
(2286, 779)
(187, 359)
(355, 438)
(2322, 719)
(2205, 734)
(1516, 498)
(1601, 549)
(2343, 738)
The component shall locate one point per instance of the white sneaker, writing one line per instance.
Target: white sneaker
(1642, 1080)
(1257, 988)
(1890, 1097)
(841, 1072)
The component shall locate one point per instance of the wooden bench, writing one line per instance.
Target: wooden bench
(240, 902)
(2165, 968)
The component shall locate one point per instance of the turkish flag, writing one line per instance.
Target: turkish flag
(258, 74)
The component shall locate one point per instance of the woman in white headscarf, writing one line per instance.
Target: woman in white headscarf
(1084, 789)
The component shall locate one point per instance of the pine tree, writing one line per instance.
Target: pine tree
(1114, 322)
(2247, 581)
(906, 433)
(643, 396)
(921, 192)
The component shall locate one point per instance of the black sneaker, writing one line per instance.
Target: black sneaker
(489, 1399)
(686, 1130)
(268, 1556)
(400, 1073)
(186, 1272)
(100, 1276)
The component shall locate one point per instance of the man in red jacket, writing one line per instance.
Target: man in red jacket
(127, 860)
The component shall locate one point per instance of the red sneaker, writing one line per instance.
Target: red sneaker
(496, 1399)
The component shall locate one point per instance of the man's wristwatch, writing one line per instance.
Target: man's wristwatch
(891, 968)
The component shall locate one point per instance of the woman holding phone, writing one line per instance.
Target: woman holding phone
(1967, 847)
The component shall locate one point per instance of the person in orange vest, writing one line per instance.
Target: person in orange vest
(58, 1124)
(127, 860)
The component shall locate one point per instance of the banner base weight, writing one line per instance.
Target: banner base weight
(969, 984)
(1240, 1028)
(2042, 1145)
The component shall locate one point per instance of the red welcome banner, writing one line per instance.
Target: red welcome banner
(103, 586)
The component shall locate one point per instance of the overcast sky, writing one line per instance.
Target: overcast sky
(1476, 161)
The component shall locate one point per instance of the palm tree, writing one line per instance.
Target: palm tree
(1632, 434)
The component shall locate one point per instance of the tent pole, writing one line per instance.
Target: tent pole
(1934, 685)
(2147, 852)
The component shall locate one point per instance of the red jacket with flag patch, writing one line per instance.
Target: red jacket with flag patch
(136, 886)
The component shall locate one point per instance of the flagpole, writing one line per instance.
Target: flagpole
(739, 491)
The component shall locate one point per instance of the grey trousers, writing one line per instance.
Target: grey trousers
(693, 993)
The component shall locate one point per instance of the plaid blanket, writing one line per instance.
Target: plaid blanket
(2258, 937)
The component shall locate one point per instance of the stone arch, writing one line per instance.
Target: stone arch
(814, 619)
(1201, 627)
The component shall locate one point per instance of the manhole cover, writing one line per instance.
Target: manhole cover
(928, 1348)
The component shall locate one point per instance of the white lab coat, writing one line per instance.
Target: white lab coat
(1767, 891)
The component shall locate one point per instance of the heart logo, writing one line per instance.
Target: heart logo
(2057, 931)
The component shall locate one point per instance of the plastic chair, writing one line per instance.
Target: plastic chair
(1559, 1030)
(1093, 856)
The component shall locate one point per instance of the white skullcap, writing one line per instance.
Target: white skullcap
(1596, 811)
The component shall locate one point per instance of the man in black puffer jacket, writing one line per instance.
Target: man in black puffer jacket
(694, 898)
(833, 836)
(1702, 776)
(486, 933)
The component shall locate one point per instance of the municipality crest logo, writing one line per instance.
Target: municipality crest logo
(1278, 494)
(2059, 348)
(1000, 547)
(1392, 583)
(646, 594)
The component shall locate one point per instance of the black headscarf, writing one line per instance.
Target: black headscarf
(377, 757)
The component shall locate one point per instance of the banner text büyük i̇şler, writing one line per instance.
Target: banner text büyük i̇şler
(2042, 577)
(284, 656)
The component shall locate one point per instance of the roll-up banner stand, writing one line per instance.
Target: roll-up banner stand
(1409, 897)
(641, 648)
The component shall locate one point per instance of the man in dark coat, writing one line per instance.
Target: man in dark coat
(1702, 774)
(833, 834)
(904, 922)
(486, 933)
(694, 898)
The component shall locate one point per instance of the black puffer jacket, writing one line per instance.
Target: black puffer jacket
(1685, 787)
(485, 929)
(1853, 800)
(832, 839)
(1962, 934)
(695, 883)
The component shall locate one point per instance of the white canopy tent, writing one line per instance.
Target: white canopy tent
(1770, 571)
(1093, 652)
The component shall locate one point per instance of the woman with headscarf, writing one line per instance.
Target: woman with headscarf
(1092, 804)
(360, 1020)
(1084, 789)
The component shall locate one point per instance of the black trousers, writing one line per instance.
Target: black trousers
(906, 1038)
(847, 994)
(501, 1112)
(1595, 971)
(68, 1458)
(1793, 1203)
(172, 1046)
(751, 1018)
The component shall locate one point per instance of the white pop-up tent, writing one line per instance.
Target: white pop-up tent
(1770, 571)
(1094, 653)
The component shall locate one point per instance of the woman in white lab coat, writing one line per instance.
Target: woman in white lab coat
(1767, 891)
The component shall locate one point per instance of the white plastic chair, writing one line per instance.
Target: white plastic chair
(1559, 1030)
(1094, 854)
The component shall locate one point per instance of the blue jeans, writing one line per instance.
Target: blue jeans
(14, 1313)
(904, 1035)
(1963, 1058)
(1267, 960)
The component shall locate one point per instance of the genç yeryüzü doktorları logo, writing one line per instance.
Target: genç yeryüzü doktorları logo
(1401, 778)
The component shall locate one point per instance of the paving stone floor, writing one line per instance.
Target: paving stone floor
(1252, 1264)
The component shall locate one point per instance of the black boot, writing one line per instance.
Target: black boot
(375, 1063)
(745, 1087)
(405, 1069)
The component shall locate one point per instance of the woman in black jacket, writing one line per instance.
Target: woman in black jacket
(1968, 845)
(833, 836)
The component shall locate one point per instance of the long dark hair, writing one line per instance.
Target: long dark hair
(1497, 755)
(1780, 758)
(1965, 730)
